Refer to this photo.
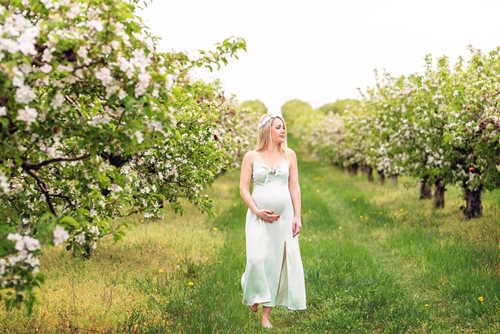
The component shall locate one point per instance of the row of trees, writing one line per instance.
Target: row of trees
(97, 124)
(441, 126)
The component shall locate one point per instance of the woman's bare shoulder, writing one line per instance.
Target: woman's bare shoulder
(249, 156)
(290, 153)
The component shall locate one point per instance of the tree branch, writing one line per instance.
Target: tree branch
(43, 187)
(66, 198)
(30, 166)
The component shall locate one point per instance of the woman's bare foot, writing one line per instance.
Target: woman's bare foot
(264, 320)
(255, 307)
(265, 323)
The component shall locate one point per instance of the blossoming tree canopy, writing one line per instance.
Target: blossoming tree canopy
(95, 124)
(440, 126)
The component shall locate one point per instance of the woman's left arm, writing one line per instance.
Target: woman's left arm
(294, 187)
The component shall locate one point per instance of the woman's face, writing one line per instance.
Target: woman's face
(278, 131)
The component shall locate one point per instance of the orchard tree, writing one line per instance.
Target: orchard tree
(297, 113)
(325, 136)
(249, 114)
(338, 107)
(473, 134)
(441, 127)
(95, 124)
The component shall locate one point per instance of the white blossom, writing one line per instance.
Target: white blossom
(169, 81)
(60, 235)
(57, 101)
(25, 94)
(104, 74)
(27, 115)
(27, 41)
(98, 120)
(95, 24)
(18, 239)
(80, 239)
(139, 59)
(31, 243)
(3, 264)
(4, 184)
(114, 188)
(94, 230)
(139, 136)
(3, 111)
(13, 259)
(47, 55)
(115, 44)
(122, 94)
(50, 4)
(46, 68)
(74, 11)
(125, 66)
(143, 83)
(32, 261)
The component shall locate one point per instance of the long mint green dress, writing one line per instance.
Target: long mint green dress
(265, 280)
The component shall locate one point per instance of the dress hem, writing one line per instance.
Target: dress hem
(279, 305)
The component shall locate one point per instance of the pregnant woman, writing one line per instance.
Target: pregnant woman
(274, 274)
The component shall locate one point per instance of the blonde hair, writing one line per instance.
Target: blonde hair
(265, 139)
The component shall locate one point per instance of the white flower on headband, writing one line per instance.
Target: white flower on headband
(266, 119)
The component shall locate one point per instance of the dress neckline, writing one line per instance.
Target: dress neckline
(264, 165)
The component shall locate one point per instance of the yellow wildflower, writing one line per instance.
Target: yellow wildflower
(190, 283)
(161, 270)
(215, 229)
(481, 299)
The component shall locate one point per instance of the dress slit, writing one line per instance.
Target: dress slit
(283, 269)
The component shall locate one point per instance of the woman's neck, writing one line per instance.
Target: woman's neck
(272, 149)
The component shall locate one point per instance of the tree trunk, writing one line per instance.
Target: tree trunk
(439, 193)
(369, 172)
(353, 169)
(382, 176)
(394, 179)
(473, 205)
(425, 188)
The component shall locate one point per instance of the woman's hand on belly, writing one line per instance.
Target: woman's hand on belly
(268, 216)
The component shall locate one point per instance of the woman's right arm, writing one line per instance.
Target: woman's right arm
(245, 179)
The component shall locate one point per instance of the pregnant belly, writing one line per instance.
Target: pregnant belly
(272, 199)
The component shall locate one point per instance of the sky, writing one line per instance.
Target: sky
(319, 50)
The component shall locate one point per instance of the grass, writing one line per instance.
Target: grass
(376, 260)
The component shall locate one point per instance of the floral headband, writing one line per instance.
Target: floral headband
(266, 119)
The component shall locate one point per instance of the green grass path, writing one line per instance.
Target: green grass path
(370, 268)
(376, 260)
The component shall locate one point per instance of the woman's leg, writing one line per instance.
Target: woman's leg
(254, 307)
(266, 313)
